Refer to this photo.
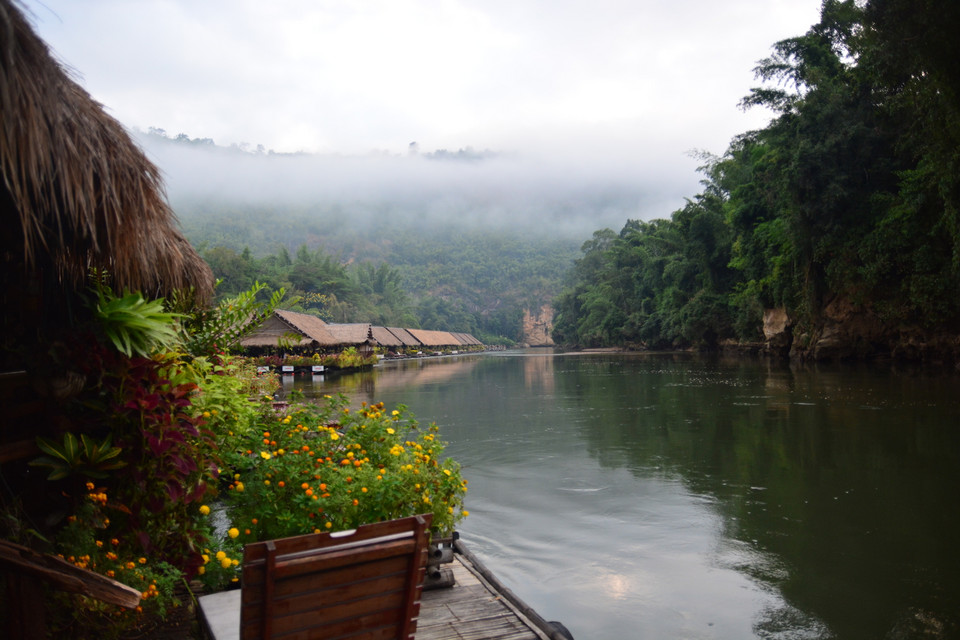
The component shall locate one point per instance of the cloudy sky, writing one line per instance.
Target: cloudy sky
(635, 83)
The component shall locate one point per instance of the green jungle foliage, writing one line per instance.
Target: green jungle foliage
(444, 278)
(851, 192)
(162, 462)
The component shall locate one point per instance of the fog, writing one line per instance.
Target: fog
(591, 107)
(559, 192)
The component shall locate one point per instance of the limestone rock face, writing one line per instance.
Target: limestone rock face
(778, 331)
(846, 331)
(537, 327)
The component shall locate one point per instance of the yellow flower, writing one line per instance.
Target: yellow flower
(204, 510)
(206, 558)
(201, 570)
(394, 413)
(334, 436)
(206, 414)
(239, 486)
(265, 455)
(226, 563)
(221, 555)
(233, 532)
(390, 431)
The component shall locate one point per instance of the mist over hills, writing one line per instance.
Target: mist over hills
(566, 195)
(475, 236)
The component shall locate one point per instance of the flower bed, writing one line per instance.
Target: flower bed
(163, 424)
(328, 468)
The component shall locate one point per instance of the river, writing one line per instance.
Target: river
(679, 496)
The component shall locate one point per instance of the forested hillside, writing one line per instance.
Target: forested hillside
(437, 276)
(842, 212)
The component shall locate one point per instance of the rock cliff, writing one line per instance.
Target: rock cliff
(537, 327)
(847, 331)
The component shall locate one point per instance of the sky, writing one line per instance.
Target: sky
(580, 87)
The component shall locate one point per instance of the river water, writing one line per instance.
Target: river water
(677, 496)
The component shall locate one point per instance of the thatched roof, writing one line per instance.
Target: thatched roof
(385, 338)
(351, 334)
(405, 337)
(434, 338)
(312, 331)
(283, 324)
(76, 191)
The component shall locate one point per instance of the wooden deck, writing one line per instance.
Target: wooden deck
(477, 607)
(472, 610)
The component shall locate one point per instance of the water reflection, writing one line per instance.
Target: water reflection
(672, 496)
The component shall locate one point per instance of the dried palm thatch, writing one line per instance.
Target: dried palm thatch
(77, 192)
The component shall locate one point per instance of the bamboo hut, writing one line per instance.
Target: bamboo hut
(77, 194)
(386, 338)
(435, 339)
(406, 338)
(299, 331)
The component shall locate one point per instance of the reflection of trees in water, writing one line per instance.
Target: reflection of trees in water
(846, 475)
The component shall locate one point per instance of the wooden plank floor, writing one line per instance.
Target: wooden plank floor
(471, 610)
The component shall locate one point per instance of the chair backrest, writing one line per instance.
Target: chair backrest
(364, 583)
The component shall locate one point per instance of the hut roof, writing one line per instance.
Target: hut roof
(283, 323)
(405, 337)
(434, 338)
(385, 337)
(82, 194)
(351, 334)
(312, 329)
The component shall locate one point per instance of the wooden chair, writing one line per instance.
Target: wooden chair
(359, 584)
